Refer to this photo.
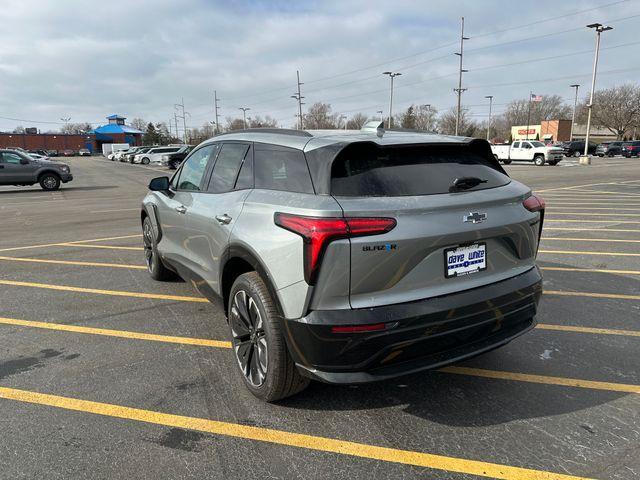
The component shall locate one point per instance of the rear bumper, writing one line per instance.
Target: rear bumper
(419, 335)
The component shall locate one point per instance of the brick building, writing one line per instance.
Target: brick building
(115, 131)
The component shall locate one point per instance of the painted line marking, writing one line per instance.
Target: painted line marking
(116, 293)
(578, 186)
(578, 220)
(281, 437)
(106, 247)
(201, 342)
(603, 192)
(578, 214)
(616, 296)
(554, 209)
(572, 252)
(595, 331)
(604, 229)
(592, 270)
(72, 262)
(542, 379)
(573, 239)
(43, 245)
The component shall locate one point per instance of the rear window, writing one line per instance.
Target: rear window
(281, 168)
(365, 170)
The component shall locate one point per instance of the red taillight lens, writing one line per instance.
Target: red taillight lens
(534, 203)
(359, 328)
(318, 232)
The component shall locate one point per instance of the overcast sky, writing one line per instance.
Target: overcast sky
(85, 60)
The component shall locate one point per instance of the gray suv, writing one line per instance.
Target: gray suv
(17, 168)
(349, 257)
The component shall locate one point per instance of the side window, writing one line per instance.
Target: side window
(526, 145)
(11, 158)
(281, 168)
(516, 145)
(193, 169)
(245, 177)
(225, 171)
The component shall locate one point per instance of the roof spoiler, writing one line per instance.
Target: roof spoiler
(374, 126)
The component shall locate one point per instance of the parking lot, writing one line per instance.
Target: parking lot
(104, 372)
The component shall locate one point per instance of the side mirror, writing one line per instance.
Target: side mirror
(159, 184)
(24, 161)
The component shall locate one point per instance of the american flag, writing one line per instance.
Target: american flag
(536, 98)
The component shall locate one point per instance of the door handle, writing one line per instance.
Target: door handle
(181, 209)
(223, 219)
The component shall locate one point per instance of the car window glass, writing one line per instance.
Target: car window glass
(193, 169)
(11, 158)
(516, 145)
(245, 177)
(226, 168)
(281, 168)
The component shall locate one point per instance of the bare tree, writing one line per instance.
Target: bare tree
(319, 117)
(426, 118)
(19, 129)
(259, 122)
(76, 128)
(139, 123)
(447, 123)
(234, 123)
(357, 121)
(550, 107)
(617, 109)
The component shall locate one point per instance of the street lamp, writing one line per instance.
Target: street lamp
(490, 97)
(599, 29)
(381, 113)
(244, 116)
(575, 104)
(392, 75)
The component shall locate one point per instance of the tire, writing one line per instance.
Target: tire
(49, 181)
(144, 160)
(155, 267)
(258, 344)
(506, 162)
(554, 163)
(539, 160)
(576, 154)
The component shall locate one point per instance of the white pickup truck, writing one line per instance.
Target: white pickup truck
(528, 151)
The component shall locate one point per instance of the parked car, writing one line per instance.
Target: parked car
(18, 168)
(141, 149)
(576, 148)
(68, 153)
(37, 156)
(84, 152)
(609, 149)
(631, 149)
(43, 153)
(121, 154)
(527, 150)
(154, 154)
(52, 153)
(173, 160)
(336, 260)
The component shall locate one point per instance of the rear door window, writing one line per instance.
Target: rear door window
(227, 166)
(371, 171)
(281, 168)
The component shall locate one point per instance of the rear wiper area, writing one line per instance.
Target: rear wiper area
(465, 183)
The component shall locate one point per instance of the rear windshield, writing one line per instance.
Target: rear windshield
(366, 170)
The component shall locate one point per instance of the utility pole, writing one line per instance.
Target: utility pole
(490, 97)
(175, 119)
(575, 104)
(381, 117)
(529, 113)
(184, 118)
(215, 109)
(244, 116)
(392, 75)
(459, 90)
(298, 96)
(599, 29)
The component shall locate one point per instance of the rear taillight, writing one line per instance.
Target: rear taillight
(376, 327)
(318, 232)
(534, 203)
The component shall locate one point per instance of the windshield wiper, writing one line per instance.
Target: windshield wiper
(465, 183)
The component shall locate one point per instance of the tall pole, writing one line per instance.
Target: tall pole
(490, 97)
(392, 75)
(215, 109)
(459, 90)
(298, 96)
(244, 116)
(184, 121)
(599, 29)
(381, 115)
(575, 104)
(529, 114)
(175, 118)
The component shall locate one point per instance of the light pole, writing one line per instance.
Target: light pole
(244, 116)
(490, 97)
(381, 117)
(599, 29)
(575, 104)
(392, 75)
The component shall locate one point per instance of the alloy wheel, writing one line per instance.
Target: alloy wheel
(147, 236)
(249, 339)
(50, 182)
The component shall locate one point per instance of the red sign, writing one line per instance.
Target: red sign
(524, 131)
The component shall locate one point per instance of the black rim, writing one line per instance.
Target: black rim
(50, 181)
(249, 339)
(147, 236)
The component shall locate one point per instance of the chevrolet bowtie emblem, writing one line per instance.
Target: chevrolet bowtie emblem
(474, 217)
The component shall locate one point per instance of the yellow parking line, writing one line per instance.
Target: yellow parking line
(596, 331)
(579, 220)
(543, 379)
(573, 239)
(116, 293)
(578, 214)
(605, 229)
(592, 270)
(43, 245)
(202, 342)
(615, 296)
(70, 262)
(107, 247)
(572, 252)
(281, 437)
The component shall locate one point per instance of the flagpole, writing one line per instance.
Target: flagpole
(529, 113)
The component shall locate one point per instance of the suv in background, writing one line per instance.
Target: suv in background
(154, 154)
(173, 160)
(349, 257)
(576, 148)
(609, 149)
(17, 168)
(631, 149)
(84, 152)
